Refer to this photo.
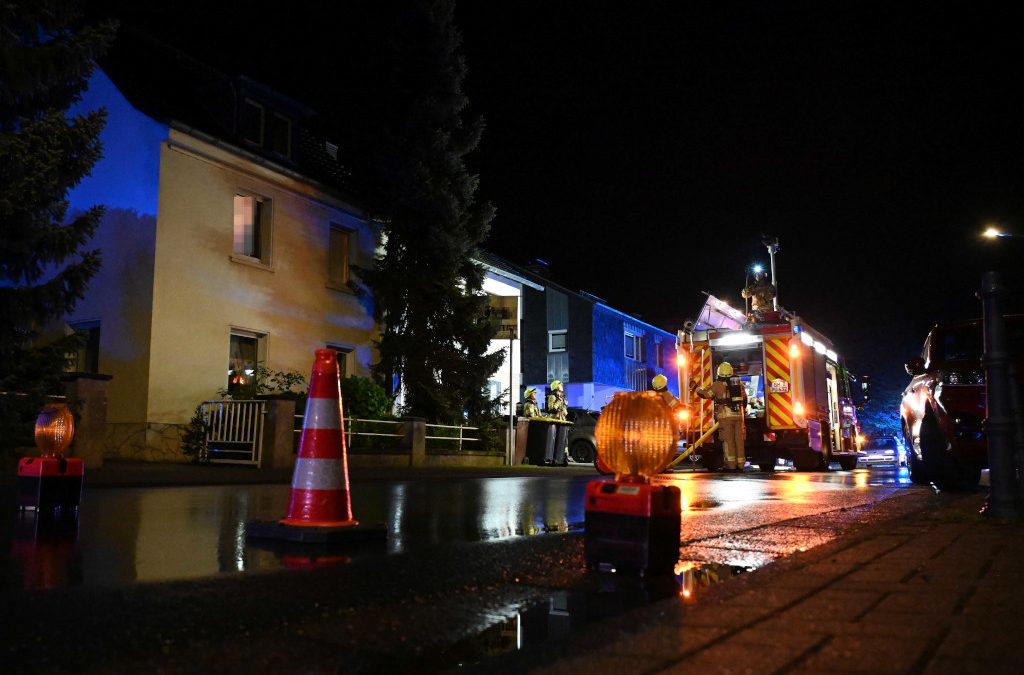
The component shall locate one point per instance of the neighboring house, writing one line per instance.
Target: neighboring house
(227, 244)
(594, 349)
(504, 287)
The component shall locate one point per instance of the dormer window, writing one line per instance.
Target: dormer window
(253, 122)
(281, 136)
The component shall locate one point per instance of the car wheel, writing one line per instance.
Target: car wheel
(582, 452)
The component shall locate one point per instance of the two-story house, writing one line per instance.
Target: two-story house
(227, 243)
(593, 348)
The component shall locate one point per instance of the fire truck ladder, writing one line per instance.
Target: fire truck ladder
(696, 444)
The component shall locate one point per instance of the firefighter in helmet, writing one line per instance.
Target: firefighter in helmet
(730, 397)
(659, 383)
(761, 294)
(530, 407)
(558, 407)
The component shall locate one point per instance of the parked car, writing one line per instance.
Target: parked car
(882, 451)
(582, 443)
(943, 407)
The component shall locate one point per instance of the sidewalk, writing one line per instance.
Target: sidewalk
(938, 589)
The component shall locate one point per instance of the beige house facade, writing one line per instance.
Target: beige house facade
(219, 255)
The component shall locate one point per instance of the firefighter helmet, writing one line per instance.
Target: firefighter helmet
(659, 382)
(531, 392)
(724, 369)
(556, 385)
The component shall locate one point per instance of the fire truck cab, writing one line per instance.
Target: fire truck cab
(799, 403)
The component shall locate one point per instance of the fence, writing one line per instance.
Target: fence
(445, 440)
(234, 431)
(386, 434)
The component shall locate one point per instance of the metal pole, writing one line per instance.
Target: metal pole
(1003, 498)
(511, 404)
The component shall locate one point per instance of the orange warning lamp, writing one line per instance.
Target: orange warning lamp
(632, 524)
(55, 428)
(636, 435)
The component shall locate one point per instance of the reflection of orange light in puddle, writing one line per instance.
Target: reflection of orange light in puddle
(796, 486)
(687, 488)
(860, 477)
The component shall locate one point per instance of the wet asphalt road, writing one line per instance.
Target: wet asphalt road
(162, 534)
(458, 580)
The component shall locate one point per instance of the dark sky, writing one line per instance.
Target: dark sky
(642, 149)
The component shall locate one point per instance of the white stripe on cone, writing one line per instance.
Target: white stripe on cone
(322, 413)
(318, 474)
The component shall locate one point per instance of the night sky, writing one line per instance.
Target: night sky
(643, 150)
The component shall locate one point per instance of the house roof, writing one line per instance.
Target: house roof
(175, 88)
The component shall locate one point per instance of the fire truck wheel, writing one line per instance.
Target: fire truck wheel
(848, 463)
(767, 466)
(712, 459)
(810, 460)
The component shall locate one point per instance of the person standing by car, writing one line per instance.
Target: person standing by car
(558, 407)
(530, 407)
(730, 399)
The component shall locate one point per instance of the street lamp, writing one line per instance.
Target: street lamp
(992, 232)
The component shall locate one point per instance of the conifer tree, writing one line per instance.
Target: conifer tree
(45, 62)
(436, 330)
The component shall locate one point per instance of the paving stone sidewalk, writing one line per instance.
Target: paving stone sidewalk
(935, 590)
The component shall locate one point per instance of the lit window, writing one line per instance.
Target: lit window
(557, 340)
(252, 227)
(245, 352)
(338, 256)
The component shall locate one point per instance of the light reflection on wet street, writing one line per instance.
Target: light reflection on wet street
(155, 534)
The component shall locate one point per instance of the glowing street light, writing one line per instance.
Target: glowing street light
(994, 232)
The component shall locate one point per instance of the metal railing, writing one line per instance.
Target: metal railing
(388, 429)
(234, 431)
(455, 439)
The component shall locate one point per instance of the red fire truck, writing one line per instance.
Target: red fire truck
(799, 403)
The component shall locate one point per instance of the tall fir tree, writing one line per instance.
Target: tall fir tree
(436, 330)
(45, 63)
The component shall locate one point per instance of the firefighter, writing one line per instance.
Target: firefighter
(761, 294)
(558, 407)
(730, 398)
(659, 383)
(530, 407)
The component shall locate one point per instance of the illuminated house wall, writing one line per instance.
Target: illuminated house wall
(595, 362)
(171, 290)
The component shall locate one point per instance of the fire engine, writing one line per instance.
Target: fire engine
(799, 402)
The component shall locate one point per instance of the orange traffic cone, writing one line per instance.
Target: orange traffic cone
(320, 508)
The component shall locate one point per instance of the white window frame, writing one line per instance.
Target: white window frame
(638, 346)
(265, 228)
(551, 340)
(332, 281)
(261, 346)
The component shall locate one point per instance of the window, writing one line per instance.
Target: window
(281, 136)
(556, 340)
(252, 227)
(87, 358)
(245, 353)
(633, 346)
(659, 357)
(338, 256)
(342, 354)
(252, 122)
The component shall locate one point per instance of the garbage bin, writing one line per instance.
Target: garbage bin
(540, 441)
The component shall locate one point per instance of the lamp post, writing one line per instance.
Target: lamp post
(772, 244)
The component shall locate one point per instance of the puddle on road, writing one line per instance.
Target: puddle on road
(538, 624)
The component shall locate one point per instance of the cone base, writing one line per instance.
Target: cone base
(315, 534)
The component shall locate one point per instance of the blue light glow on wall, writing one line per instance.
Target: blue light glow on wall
(128, 174)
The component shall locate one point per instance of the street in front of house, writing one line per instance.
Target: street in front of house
(186, 533)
